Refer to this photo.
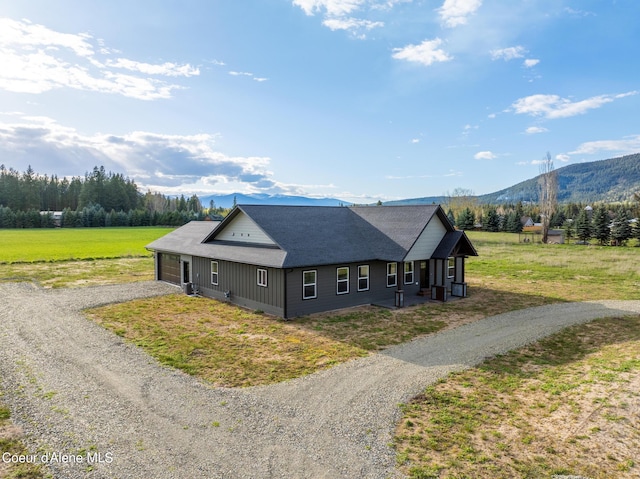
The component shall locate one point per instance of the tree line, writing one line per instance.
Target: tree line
(100, 198)
(604, 223)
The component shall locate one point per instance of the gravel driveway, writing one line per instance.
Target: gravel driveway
(84, 396)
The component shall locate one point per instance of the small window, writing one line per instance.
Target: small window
(309, 284)
(408, 273)
(392, 274)
(451, 270)
(262, 277)
(214, 273)
(342, 283)
(363, 277)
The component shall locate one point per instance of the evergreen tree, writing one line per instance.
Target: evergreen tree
(466, 219)
(621, 229)
(601, 221)
(513, 223)
(452, 219)
(493, 220)
(583, 227)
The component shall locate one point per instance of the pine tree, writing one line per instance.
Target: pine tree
(493, 220)
(621, 229)
(583, 227)
(601, 230)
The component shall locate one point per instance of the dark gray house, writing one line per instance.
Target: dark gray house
(295, 260)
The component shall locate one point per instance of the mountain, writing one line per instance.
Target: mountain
(612, 180)
(227, 201)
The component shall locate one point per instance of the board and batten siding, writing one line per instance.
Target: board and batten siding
(244, 230)
(328, 298)
(428, 240)
(241, 281)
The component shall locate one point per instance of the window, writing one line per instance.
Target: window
(342, 283)
(262, 277)
(363, 277)
(214, 273)
(392, 274)
(451, 270)
(408, 273)
(309, 284)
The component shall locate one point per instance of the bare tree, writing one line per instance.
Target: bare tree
(547, 194)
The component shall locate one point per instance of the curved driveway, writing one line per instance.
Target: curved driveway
(77, 389)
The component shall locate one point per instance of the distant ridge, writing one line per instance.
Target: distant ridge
(612, 180)
(227, 201)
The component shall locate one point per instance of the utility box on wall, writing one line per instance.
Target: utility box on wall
(459, 290)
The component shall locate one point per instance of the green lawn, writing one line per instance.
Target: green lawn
(63, 244)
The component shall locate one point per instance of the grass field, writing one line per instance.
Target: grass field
(63, 244)
(71, 257)
(550, 408)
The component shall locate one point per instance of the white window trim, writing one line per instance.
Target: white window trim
(394, 275)
(363, 277)
(451, 267)
(407, 273)
(262, 277)
(339, 281)
(217, 271)
(314, 284)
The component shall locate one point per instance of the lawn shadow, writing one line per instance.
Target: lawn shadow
(374, 328)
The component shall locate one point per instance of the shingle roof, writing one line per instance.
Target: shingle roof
(454, 240)
(312, 235)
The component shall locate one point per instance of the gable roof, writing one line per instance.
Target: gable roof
(305, 236)
(187, 237)
(454, 243)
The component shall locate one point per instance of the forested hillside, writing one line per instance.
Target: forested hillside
(612, 180)
(97, 199)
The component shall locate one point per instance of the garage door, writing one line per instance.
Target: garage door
(169, 269)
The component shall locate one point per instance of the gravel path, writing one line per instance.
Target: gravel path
(77, 389)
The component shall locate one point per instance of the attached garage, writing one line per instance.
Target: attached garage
(169, 268)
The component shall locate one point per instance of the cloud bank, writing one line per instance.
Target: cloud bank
(36, 59)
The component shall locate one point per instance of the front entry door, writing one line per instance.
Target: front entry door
(424, 275)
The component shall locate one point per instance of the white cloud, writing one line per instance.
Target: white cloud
(427, 53)
(553, 106)
(509, 53)
(165, 163)
(530, 62)
(415, 140)
(36, 59)
(456, 12)
(630, 144)
(339, 14)
(563, 158)
(166, 69)
(331, 7)
(532, 130)
(484, 155)
(351, 24)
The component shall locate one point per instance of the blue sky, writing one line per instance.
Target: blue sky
(354, 99)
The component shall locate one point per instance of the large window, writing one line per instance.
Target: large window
(342, 280)
(363, 277)
(392, 274)
(408, 273)
(262, 277)
(214, 273)
(309, 284)
(451, 267)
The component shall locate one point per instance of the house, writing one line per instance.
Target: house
(296, 260)
(527, 222)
